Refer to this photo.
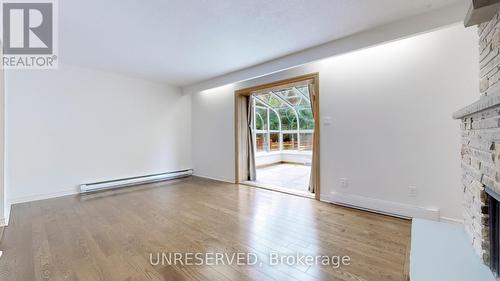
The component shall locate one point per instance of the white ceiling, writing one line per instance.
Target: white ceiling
(182, 42)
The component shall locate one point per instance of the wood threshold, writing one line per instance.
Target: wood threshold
(278, 189)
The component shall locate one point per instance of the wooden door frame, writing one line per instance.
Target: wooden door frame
(243, 93)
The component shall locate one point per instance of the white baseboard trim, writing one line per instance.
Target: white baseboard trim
(7, 214)
(24, 199)
(381, 206)
(43, 196)
(213, 178)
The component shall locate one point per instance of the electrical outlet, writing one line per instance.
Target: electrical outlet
(412, 191)
(344, 183)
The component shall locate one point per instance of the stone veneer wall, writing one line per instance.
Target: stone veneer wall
(489, 59)
(481, 139)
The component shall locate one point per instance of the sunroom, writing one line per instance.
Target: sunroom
(283, 130)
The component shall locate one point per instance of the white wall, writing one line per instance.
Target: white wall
(391, 108)
(2, 148)
(75, 125)
(213, 133)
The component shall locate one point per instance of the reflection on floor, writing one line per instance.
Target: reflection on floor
(113, 234)
(287, 176)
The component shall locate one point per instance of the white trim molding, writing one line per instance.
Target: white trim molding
(42, 196)
(214, 178)
(381, 206)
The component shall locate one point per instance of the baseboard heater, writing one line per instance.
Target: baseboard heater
(96, 186)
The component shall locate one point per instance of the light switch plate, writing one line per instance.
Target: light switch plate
(327, 121)
(412, 191)
(344, 183)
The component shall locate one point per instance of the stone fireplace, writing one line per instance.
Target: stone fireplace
(480, 152)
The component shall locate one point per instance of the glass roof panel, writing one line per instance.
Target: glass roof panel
(293, 96)
(259, 103)
(290, 96)
(271, 100)
(304, 90)
(297, 96)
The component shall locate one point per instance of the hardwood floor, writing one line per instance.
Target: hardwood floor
(110, 235)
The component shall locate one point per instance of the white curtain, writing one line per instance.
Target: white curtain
(251, 152)
(313, 181)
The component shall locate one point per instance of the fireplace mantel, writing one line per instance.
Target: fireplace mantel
(485, 102)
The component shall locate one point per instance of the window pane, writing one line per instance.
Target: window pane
(272, 100)
(261, 118)
(304, 90)
(258, 103)
(275, 141)
(288, 119)
(293, 96)
(261, 142)
(289, 141)
(274, 121)
(306, 141)
(306, 118)
(259, 122)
